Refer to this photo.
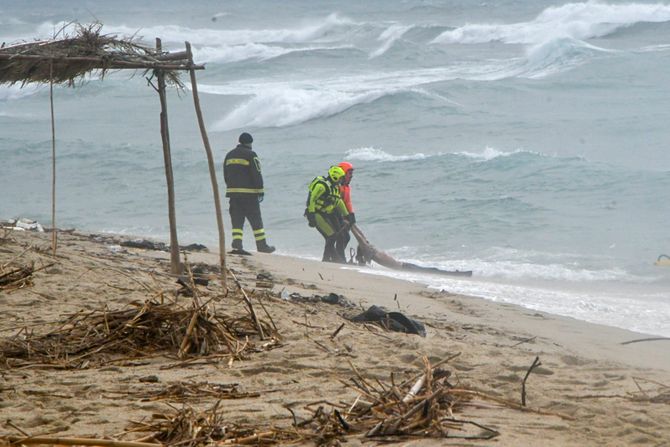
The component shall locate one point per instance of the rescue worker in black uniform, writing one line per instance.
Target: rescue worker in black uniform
(328, 214)
(244, 188)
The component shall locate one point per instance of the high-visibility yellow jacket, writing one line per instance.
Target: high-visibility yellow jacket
(324, 197)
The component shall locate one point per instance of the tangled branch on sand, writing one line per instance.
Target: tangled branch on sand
(144, 328)
(16, 277)
(415, 408)
(419, 407)
(188, 427)
(185, 391)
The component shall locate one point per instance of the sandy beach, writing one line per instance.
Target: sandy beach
(590, 389)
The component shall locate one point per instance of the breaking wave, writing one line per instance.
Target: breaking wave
(572, 20)
(10, 92)
(556, 55)
(286, 106)
(389, 37)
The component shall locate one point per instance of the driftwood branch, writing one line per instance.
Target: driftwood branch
(337, 331)
(535, 364)
(646, 339)
(249, 305)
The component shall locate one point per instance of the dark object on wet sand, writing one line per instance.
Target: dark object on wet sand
(331, 298)
(367, 253)
(160, 246)
(186, 281)
(194, 247)
(145, 244)
(393, 321)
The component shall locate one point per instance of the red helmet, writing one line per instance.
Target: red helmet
(346, 166)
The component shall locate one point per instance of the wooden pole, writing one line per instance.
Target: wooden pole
(212, 168)
(175, 265)
(54, 233)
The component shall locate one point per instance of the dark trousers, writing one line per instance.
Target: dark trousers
(332, 228)
(242, 208)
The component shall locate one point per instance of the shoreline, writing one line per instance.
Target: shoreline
(530, 296)
(593, 340)
(610, 394)
(607, 347)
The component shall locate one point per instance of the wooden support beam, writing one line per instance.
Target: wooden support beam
(175, 264)
(110, 64)
(212, 170)
(54, 232)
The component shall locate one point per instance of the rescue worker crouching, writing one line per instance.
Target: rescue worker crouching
(328, 214)
(244, 188)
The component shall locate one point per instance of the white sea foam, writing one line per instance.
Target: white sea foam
(389, 37)
(654, 48)
(373, 154)
(593, 302)
(11, 92)
(319, 29)
(489, 153)
(575, 20)
(241, 52)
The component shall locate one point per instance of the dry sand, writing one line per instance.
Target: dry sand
(614, 394)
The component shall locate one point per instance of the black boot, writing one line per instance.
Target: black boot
(237, 244)
(263, 247)
(329, 250)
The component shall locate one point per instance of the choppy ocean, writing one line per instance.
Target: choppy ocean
(525, 140)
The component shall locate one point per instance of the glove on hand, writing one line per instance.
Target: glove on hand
(311, 218)
(261, 196)
(351, 218)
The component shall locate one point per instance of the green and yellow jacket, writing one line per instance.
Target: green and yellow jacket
(242, 173)
(324, 197)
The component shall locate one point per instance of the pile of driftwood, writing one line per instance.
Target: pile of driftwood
(189, 428)
(143, 328)
(422, 406)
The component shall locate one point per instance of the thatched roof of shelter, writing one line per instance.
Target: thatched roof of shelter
(73, 55)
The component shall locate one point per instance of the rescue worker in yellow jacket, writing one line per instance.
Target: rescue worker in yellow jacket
(328, 214)
(244, 188)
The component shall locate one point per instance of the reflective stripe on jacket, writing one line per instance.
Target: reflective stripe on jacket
(242, 172)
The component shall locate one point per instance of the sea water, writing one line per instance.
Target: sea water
(527, 141)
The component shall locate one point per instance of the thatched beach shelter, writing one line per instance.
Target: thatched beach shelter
(70, 56)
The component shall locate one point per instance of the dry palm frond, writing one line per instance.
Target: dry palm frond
(183, 391)
(189, 428)
(415, 408)
(73, 55)
(142, 329)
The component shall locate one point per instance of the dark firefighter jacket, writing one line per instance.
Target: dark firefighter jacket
(242, 173)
